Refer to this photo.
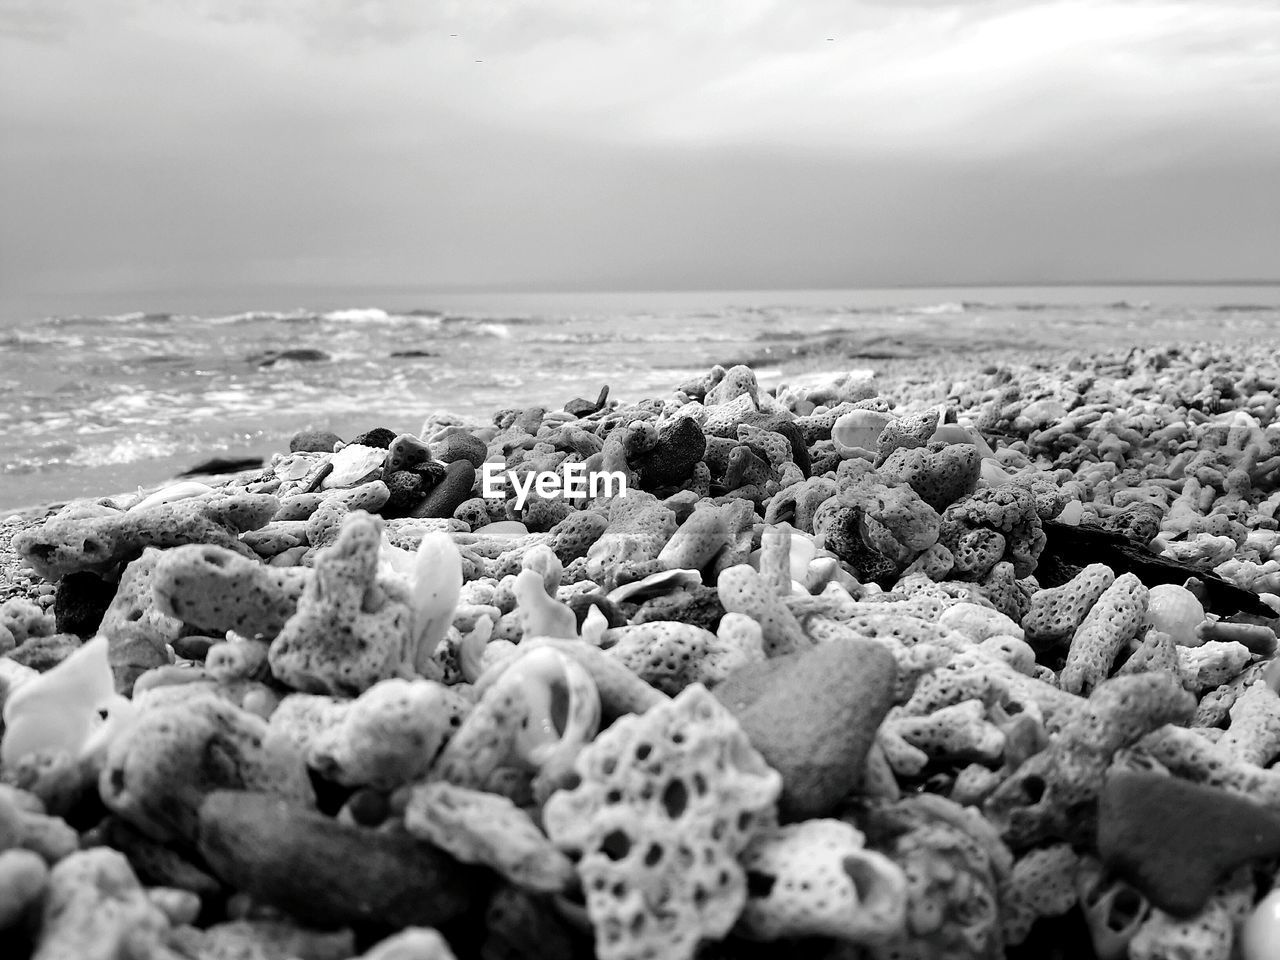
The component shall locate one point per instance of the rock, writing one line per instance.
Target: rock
(216, 466)
(449, 494)
(270, 358)
(813, 715)
(326, 872)
(460, 446)
(377, 437)
(1175, 840)
(582, 408)
(81, 601)
(317, 441)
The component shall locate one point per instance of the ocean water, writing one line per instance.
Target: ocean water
(97, 404)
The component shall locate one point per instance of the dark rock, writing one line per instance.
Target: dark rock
(406, 493)
(813, 716)
(269, 358)
(81, 601)
(699, 606)
(217, 466)
(329, 873)
(193, 648)
(582, 604)
(313, 441)
(582, 408)
(460, 446)
(1175, 840)
(377, 437)
(413, 353)
(450, 493)
(671, 461)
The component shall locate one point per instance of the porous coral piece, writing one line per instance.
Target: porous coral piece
(1254, 733)
(389, 735)
(1050, 793)
(894, 521)
(349, 631)
(959, 732)
(713, 538)
(95, 909)
(1110, 624)
(1055, 613)
(484, 828)
(909, 431)
(541, 615)
(1041, 884)
(1211, 664)
(532, 720)
(214, 589)
(163, 765)
(1009, 510)
(671, 655)
(816, 878)
(639, 527)
(799, 502)
(666, 804)
(940, 474)
(1157, 651)
(96, 538)
(741, 590)
(978, 622)
(955, 866)
(670, 461)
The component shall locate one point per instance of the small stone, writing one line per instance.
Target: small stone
(406, 491)
(582, 408)
(460, 446)
(1175, 840)
(813, 716)
(449, 494)
(326, 872)
(193, 648)
(313, 441)
(81, 601)
(406, 453)
(377, 437)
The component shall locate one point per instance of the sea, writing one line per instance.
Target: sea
(95, 404)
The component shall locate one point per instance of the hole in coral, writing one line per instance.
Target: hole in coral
(677, 738)
(643, 751)
(744, 821)
(560, 706)
(615, 845)
(134, 615)
(1127, 907)
(1033, 788)
(214, 559)
(675, 798)
(759, 885)
(652, 855)
(613, 796)
(699, 784)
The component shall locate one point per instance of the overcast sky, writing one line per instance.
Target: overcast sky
(162, 150)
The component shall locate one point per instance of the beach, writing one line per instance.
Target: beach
(909, 640)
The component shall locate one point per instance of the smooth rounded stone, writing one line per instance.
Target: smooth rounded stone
(80, 603)
(194, 648)
(326, 872)
(449, 494)
(1175, 840)
(813, 716)
(460, 446)
(313, 441)
(406, 453)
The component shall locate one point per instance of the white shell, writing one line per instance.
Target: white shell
(352, 464)
(855, 434)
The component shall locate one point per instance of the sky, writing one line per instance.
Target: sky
(156, 153)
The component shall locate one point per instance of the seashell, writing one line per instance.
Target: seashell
(655, 585)
(856, 433)
(1176, 611)
(177, 491)
(354, 464)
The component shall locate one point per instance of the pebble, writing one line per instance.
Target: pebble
(813, 716)
(329, 873)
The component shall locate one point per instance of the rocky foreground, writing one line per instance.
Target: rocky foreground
(975, 663)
